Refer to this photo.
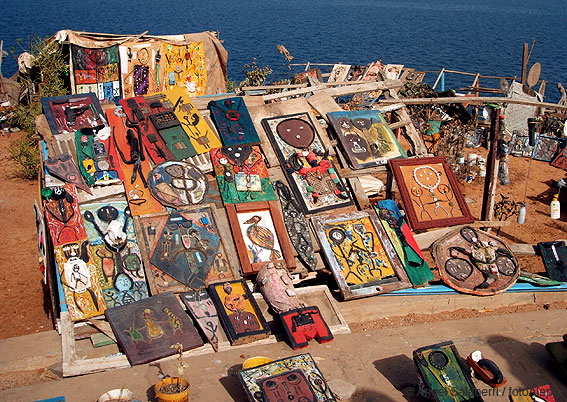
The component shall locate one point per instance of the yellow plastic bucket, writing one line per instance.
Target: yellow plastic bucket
(182, 396)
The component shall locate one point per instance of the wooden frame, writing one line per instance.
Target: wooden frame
(236, 306)
(372, 247)
(280, 236)
(158, 280)
(83, 120)
(435, 191)
(299, 185)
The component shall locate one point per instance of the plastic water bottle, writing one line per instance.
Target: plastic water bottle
(522, 214)
(555, 207)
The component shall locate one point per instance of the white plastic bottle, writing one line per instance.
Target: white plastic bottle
(522, 214)
(555, 207)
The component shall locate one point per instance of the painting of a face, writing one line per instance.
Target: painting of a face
(296, 132)
(237, 153)
(362, 124)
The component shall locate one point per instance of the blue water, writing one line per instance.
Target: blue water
(481, 36)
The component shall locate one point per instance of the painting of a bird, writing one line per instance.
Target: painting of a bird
(261, 236)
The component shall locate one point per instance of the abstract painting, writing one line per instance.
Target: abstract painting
(339, 73)
(62, 215)
(260, 235)
(314, 73)
(292, 378)
(201, 135)
(187, 246)
(360, 254)
(430, 192)
(239, 313)
(475, 262)
(140, 67)
(185, 67)
(69, 113)
(204, 312)
(115, 252)
(98, 71)
(242, 174)
(233, 122)
(147, 329)
(304, 159)
(177, 184)
(366, 137)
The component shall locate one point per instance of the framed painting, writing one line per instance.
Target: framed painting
(445, 374)
(79, 280)
(116, 256)
(233, 122)
(366, 137)
(177, 184)
(475, 262)
(69, 113)
(186, 246)
(146, 329)
(239, 313)
(260, 235)
(339, 73)
(185, 67)
(204, 312)
(392, 71)
(430, 192)
(291, 378)
(560, 160)
(242, 174)
(546, 147)
(314, 73)
(373, 71)
(201, 135)
(301, 152)
(520, 145)
(360, 254)
(97, 68)
(140, 67)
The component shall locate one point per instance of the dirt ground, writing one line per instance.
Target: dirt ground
(23, 303)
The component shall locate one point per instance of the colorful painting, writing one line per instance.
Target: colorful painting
(140, 67)
(444, 373)
(242, 174)
(131, 169)
(185, 67)
(98, 71)
(146, 329)
(430, 192)
(83, 294)
(62, 215)
(259, 234)
(204, 312)
(560, 160)
(239, 313)
(94, 163)
(360, 254)
(313, 177)
(233, 122)
(366, 137)
(202, 136)
(186, 245)
(115, 252)
(475, 262)
(399, 233)
(339, 73)
(69, 113)
(177, 184)
(64, 168)
(373, 72)
(299, 376)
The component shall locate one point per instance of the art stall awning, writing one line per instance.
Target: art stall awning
(123, 66)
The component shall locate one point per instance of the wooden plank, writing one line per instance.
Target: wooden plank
(400, 124)
(424, 240)
(323, 103)
(104, 327)
(473, 100)
(412, 134)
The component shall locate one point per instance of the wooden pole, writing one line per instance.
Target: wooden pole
(524, 63)
(490, 180)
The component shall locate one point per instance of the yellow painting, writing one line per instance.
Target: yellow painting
(358, 250)
(185, 67)
(236, 304)
(202, 136)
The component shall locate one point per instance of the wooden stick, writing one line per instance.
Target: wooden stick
(439, 77)
(491, 168)
(524, 63)
(476, 100)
